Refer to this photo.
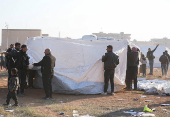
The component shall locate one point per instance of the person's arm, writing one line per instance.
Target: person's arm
(104, 58)
(39, 63)
(155, 48)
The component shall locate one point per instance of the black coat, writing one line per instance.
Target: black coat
(47, 64)
(111, 60)
(22, 60)
(150, 55)
(132, 58)
(12, 56)
(164, 59)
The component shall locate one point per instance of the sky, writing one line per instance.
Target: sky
(143, 19)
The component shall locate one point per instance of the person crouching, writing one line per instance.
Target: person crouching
(13, 87)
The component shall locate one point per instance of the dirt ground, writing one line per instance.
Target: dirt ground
(94, 105)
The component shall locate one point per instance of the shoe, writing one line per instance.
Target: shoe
(6, 104)
(112, 93)
(15, 105)
(104, 93)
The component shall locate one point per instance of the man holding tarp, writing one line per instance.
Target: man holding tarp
(47, 68)
(111, 60)
(151, 58)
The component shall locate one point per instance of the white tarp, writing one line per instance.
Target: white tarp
(79, 69)
(159, 52)
(155, 86)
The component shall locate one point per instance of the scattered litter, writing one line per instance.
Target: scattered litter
(148, 115)
(164, 109)
(120, 99)
(140, 79)
(61, 101)
(135, 99)
(75, 113)
(86, 115)
(10, 110)
(165, 104)
(148, 100)
(167, 77)
(61, 113)
(134, 113)
(143, 96)
(147, 109)
(153, 109)
(158, 97)
(1, 115)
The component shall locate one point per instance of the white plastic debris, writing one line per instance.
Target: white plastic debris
(134, 113)
(165, 104)
(10, 110)
(143, 96)
(120, 99)
(148, 115)
(75, 113)
(155, 86)
(86, 115)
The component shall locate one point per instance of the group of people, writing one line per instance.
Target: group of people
(17, 62)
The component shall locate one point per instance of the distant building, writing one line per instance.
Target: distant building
(45, 35)
(11, 36)
(119, 36)
(153, 42)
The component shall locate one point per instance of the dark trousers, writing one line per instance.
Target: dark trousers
(144, 69)
(31, 76)
(151, 62)
(132, 72)
(9, 74)
(47, 80)
(22, 79)
(109, 75)
(12, 95)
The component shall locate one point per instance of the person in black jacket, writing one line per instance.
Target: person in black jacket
(164, 62)
(132, 68)
(7, 57)
(151, 58)
(47, 68)
(111, 60)
(11, 56)
(22, 62)
(13, 87)
(166, 53)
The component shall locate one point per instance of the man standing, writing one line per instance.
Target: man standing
(166, 53)
(111, 60)
(7, 57)
(22, 63)
(164, 61)
(151, 57)
(11, 58)
(47, 68)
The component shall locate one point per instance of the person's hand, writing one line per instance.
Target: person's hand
(11, 90)
(157, 45)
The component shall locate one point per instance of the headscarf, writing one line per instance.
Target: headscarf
(134, 49)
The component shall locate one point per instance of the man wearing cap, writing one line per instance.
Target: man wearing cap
(111, 60)
(151, 58)
(47, 68)
(22, 63)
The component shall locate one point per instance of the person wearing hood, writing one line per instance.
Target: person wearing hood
(144, 62)
(47, 69)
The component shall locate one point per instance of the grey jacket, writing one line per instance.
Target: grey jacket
(111, 60)
(13, 83)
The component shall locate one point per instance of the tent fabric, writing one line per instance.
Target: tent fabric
(79, 69)
(159, 51)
